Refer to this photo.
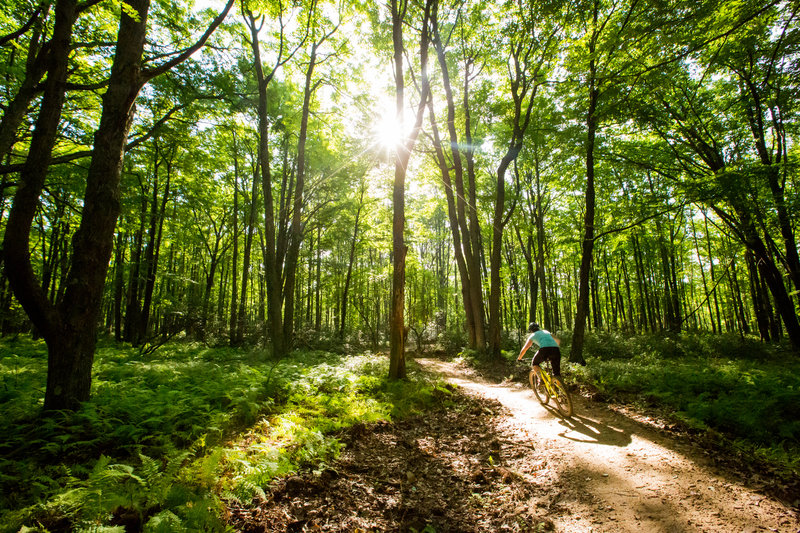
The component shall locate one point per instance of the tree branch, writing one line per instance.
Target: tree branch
(149, 74)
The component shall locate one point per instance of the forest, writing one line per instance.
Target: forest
(224, 217)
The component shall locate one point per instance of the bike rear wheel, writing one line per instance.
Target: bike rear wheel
(562, 397)
(538, 388)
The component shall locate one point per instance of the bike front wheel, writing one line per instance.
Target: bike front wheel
(539, 388)
(562, 397)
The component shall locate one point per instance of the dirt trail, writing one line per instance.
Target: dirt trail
(604, 471)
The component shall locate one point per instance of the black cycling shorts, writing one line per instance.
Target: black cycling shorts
(553, 353)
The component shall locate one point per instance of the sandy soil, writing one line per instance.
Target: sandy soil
(605, 471)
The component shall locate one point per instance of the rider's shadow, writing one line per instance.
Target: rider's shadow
(595, 432)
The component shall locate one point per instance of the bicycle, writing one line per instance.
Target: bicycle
(551, 387)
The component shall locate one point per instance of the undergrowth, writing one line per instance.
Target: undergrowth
(742, 390)
(166, 438)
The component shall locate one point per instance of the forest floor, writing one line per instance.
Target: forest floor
(497, 460)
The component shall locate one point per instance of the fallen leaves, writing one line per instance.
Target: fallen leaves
(444, 469)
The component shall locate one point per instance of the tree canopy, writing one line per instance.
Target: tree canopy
(395, 174)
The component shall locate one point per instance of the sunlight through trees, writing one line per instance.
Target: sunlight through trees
(398, 175)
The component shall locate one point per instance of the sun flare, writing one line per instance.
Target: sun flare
(388, 132)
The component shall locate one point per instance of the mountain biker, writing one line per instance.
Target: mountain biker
(548, 349)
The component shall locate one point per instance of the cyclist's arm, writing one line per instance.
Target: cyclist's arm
(524, 349)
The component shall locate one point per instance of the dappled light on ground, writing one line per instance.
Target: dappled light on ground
(608, 472)
(491, 458)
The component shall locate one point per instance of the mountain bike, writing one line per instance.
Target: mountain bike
(547, 386)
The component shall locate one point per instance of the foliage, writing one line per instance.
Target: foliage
(738, 387)
(153, 448)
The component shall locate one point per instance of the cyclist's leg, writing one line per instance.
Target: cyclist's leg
(555, 361)
(538, 358)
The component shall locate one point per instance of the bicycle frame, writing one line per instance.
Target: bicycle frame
(552, 389)
(548, 381)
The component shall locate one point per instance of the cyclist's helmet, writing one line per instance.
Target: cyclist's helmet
(533, 327)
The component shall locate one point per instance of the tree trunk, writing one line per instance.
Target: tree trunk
(773, 278)
(272, 270)
(132, 305)
(397, 361)
(153, 247)
(467, 223)
(317, 289)
(248, 247)
(119, 284)
(350, 263)
(587, 247)
(760, 302)
(297, 208)
(36, 65)
(235, 252)
(454, 217)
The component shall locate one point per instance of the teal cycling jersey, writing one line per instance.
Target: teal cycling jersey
(543, 339)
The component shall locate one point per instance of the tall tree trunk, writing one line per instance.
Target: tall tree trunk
(272, 269)
(133, 305)
(212, 270)
(350, 262)
(587, 247)
(772, 277)
(397, 361)
(248, 247)
(526, 248)
(119, 284)
(467, 228)
(672, 314)
(540, 258)
(760, 301)
(703, 277)
(63, 391)
(522, 87)
(754, 106)
(318, 288)
(296, 237)
(154, 246)
(235, 251)
(455, 215)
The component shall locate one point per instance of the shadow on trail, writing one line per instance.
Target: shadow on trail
(620, 471)
(596, 432)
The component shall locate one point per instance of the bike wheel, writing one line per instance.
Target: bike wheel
(538, 388)
(562, 398)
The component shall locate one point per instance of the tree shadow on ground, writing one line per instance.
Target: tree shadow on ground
(596, 432)
(444, 470)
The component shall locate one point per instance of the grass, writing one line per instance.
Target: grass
(741, 390)
(166, 438)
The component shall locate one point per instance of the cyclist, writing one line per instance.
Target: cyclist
(548, 349)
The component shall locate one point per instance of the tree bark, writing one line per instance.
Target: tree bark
(587, 247)
(36, 64)
(350, 262)
(235, 252)
(466, 238)
(153, 249)
(70, 326)
(248, 247)
(397, 337)
(297, 230)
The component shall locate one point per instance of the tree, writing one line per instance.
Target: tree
(68, 326)
(399, 10)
